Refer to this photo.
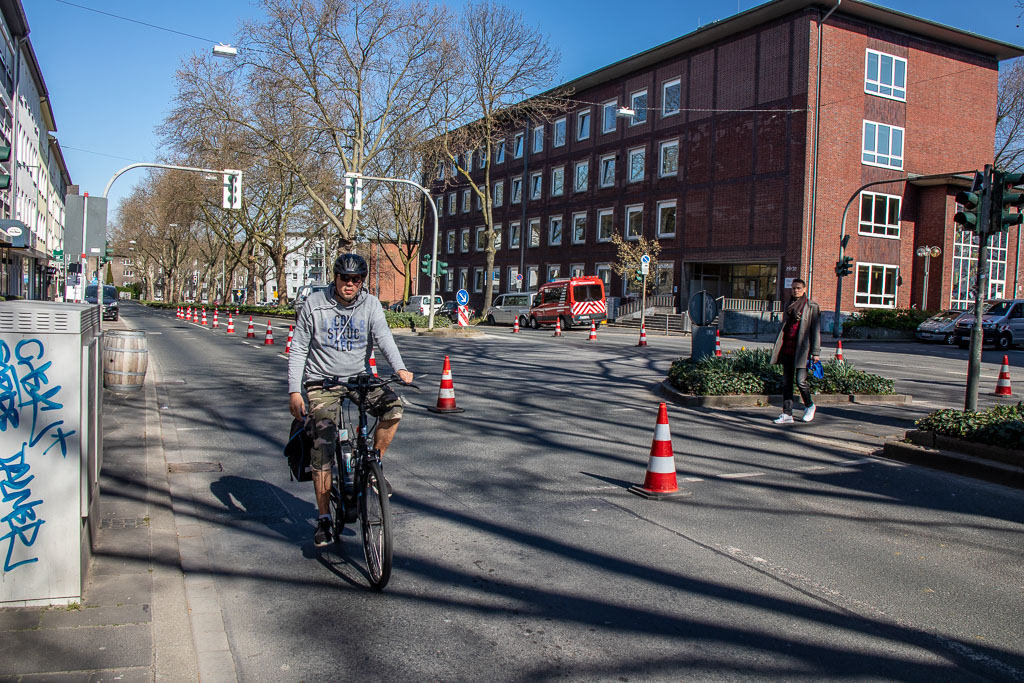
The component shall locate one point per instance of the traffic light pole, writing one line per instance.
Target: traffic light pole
(985, 229)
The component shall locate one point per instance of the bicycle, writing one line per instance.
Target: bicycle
(359, 490)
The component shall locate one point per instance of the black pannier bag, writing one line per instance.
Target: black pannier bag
(297, 450)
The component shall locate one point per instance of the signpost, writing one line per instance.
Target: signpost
(645, 267)
(462, 298)
(703, 310)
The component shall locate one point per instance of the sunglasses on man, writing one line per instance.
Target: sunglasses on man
(356, 279)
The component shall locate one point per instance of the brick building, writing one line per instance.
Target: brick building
(720, 163)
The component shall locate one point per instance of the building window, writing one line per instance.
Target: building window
(476, 201)
(451, 204)
(478, 279)
(582, 176)
(670, 97)
(517, 189)
(517, 146)
(885, 75)
(576, 270)
(583, 125)
(579, 228)
(638, 103)
(636, 164)
(463, 278)
(876, 285)
(554, 231)
(965, 268)
(536, 185)
(451, 241)
(481, 239)
(634, 221)
(557, 181)
(608, 116)
(448, 281)
(667, 219)
(481, 159)
(538, 139)
(605, 225)
(499, 152)
(879, 214)
(669, 155)
(534, 232)
(497, 237)
(465, 201)
(465, 240)
(604, 271)
(559, 133)
(554, 272)
(128, 272)
(883, 145)
(607, 170)
(513, 271)
(513, 235)
(499, 193)
(531, 277)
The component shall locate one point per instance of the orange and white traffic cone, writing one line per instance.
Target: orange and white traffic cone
(177, 313)
(643, 335)
(216, 323)
(660, 481)
(1003, 383)
(231, 324)
(236, 310)
(839, 352)
(515, 326)
(558, 328)
(188, 316)
(269, 339)
(446, 394)
(288, 344)
(250, 333)
(204, 317)
(373, 364)
(593, 332)
(718, 344)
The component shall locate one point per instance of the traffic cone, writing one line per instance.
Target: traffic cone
(660, 481)
(593, 332)
(288, 344)
(1003, 383)
(558, 328)
(204, 317)
(373, 364)
(250, 333)
(839, 352)
(216, 324)
(718, 344)
(188, 316)
(236, 310)
(446, 394)
(643, 335)
(269, 339)
(515, 326)
(231, 324)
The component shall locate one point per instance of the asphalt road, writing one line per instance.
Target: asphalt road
(521, 556)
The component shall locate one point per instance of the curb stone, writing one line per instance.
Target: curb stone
(747, 400)
(957, 463)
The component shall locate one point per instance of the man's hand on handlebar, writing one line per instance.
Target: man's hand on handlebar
(296, 405)
(405, 376)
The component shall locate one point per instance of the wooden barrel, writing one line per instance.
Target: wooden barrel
(125, 358)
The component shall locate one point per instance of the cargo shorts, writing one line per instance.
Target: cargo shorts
(325, 413)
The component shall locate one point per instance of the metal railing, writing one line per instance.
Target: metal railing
(756, 305)
(655, 301)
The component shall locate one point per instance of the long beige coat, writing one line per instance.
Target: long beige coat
(808, 336)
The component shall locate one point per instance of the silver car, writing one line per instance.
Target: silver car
(507, 307)
(941, 327)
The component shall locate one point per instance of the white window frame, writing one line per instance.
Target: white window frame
(877, 86)
(534, 227)
(515, 234)
(583, 125)
(464, 241)
(480, 243)
(481, 159)
(873, 228)
(864, 298)
(869, 157)
(499, 152)
(517, 145)
(449, 280)
(465, 201)
(662, 206)
(558, 188)
(577, 269)
(532, 275)
(608, 110)
(665, 110)
(627, 224)
(602, 213)
(517, 184)
(451, 241)
(536, 185)
(538, 139)
(640, 115)
(604, 272)
(558, 134)
(606, 163)
(662, 149)
(512, 272)
(552, 221)
(464, 278)
(498, 194)
(497, 237)
(581, 215)
(479, 274)
(554, 271)
(453, 204)
(576, 176)
(477, 204)
(640, 152)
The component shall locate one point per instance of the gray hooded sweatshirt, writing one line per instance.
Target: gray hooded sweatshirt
(331, 339)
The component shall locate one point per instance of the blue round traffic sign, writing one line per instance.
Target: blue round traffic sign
(462, 297)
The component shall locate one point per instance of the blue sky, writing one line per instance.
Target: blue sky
(111, 81)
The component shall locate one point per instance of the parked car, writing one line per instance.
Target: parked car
(941, 326)
(1002, 323)
(507, 307)
(450, 309)
(421, 304)
(110, 307)
(304, 292)
(397, 306)
(574, 301)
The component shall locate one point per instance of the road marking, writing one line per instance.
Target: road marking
(281, 355)
(741, 475)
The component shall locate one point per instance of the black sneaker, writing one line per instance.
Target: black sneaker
(324, 532)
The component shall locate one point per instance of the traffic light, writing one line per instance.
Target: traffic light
(108, 254)
(970, 217)
(232, 190)
(1004, 198)
(5, 178)
(425, 266)
(639, 275)
(844, 266)
(442, 267)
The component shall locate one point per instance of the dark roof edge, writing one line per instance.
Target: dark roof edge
(58, 153)
(44, 94)
(14, 16)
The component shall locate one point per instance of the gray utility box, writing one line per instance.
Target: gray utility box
(50, 449)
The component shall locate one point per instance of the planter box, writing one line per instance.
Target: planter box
(877, 333)
(747, 400)
(949, 458)
(1010, 456)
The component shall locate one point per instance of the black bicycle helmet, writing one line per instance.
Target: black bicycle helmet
(350, 264)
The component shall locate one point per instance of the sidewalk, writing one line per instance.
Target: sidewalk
(133, 624)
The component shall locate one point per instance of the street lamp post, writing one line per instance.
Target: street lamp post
(928, 253)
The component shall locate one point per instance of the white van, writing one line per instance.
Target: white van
(421, 304)
(507, 307)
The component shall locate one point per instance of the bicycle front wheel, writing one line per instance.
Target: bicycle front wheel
(375, 519)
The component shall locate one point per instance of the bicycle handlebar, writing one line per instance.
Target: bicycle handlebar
(364, 382)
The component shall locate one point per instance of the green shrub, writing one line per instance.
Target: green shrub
(751, 372)
(891, 318)
(997, 426)
(414, 320)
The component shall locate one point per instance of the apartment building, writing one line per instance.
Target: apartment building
(749, 138)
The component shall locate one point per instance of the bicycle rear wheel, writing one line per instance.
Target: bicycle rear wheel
(375, 521)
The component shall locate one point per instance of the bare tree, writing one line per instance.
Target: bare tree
(629, 258)
(504, 63)
(1009, 148)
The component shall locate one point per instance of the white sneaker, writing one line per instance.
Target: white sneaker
(783, 419)
(809, 413)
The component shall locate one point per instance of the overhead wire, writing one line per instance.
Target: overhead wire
(136, 21)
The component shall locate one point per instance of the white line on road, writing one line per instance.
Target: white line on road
(741, 475)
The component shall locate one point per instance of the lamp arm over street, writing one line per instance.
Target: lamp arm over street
(129, 167)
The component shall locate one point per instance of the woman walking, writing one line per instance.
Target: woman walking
(799, 340)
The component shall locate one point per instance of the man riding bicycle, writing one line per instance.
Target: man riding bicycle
(334, 335)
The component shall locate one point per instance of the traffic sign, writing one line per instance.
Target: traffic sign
(703, 308)
(462, 297)
(519, 277)
(645, 267)
(645, 259)
(58, 253)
